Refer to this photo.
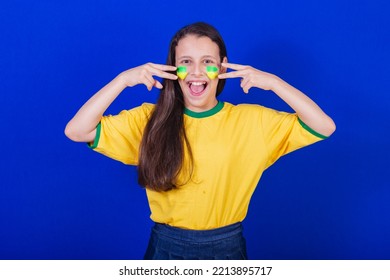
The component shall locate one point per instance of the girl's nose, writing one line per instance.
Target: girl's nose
(197, 69)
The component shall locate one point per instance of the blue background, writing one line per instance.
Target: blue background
(59, 200)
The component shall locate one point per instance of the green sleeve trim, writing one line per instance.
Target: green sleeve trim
(311, 130)
(97, 137)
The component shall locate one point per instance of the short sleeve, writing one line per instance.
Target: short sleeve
(285, 132)
(119, 136)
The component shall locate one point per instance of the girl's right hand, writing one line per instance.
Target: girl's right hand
(144, 75)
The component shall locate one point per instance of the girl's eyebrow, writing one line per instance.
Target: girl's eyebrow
(189, 57)
(183, 57)
(208, 56)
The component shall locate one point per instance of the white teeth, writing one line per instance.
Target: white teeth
(198, 83)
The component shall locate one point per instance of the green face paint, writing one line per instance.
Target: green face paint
(212, 72)
(182, 72)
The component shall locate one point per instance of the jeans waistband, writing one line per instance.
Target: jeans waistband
(198, 235)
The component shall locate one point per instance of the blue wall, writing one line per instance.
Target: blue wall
(59, 200)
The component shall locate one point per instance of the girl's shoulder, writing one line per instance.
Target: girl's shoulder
(144, 110)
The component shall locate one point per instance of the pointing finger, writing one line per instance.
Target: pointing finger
(162, 74)
(162, 67)
(234, 66)
(234, 74)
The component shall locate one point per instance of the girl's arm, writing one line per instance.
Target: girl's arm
(307, 110)
(82, 127)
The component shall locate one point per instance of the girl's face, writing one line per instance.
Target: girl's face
(196, 53)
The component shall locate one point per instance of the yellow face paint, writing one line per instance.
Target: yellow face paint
(212, 72)
(182, 72)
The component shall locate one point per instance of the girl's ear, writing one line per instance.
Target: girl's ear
(223, 69)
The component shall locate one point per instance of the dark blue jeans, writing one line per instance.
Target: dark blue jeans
(171, 243)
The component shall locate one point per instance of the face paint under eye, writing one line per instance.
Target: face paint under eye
(182, 72)
(212, 72)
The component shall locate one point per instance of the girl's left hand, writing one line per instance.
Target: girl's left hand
(250, 77)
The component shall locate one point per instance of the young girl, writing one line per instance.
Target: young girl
(199, 158)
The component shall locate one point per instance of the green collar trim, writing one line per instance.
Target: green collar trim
(205, 114)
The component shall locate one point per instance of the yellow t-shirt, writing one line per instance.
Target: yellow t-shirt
(231, 145)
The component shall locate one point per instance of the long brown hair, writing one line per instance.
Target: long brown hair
(164, 140)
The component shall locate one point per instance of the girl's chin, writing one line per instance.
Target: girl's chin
(197, 104)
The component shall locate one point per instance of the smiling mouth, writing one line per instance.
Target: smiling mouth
(197, 88)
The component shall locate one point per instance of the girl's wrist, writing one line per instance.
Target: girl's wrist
(121, 80)
(276, 83)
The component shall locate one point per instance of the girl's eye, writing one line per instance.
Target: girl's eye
(208, 61)
(185, 61)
